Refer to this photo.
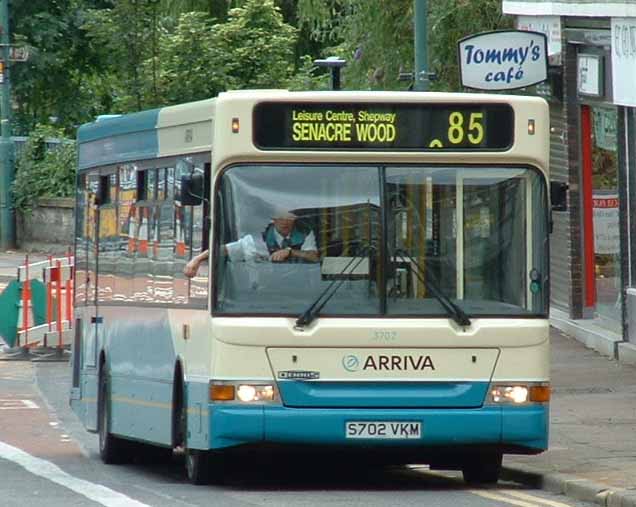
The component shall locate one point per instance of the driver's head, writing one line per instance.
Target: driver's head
(284, 222)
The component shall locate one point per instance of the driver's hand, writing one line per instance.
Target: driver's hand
(281, 255)
(191, 269)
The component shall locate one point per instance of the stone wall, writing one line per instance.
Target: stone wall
(48, 227)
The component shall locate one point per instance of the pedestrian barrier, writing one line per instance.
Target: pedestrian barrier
(44, 318)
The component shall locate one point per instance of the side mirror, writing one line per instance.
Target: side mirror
(559, 196)
(191, 189)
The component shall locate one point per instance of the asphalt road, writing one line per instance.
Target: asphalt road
(46, 458)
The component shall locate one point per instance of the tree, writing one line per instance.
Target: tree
(199, 59)
(376, 37)
(42, 171)
(255, 46)
(126, 36)
(60, 82)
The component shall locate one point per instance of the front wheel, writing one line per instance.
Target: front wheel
(482, 470)
(197, 466)
(111, 449)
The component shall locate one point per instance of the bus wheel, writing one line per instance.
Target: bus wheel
(111, 449)
(482, 470)
(196, 463)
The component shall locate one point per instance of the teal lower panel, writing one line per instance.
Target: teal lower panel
(383, 394)
(524, 427)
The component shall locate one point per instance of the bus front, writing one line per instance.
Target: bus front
(380, 275)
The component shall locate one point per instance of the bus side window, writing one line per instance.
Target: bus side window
(200, 235)
(191, 231)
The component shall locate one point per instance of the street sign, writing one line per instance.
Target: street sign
(17, 53)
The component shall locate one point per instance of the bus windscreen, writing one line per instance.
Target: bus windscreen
(375, 126)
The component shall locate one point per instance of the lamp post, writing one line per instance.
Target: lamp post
(335, 64)
(420, 76)
(7, 212)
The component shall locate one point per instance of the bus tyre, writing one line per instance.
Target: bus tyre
(197, 466)
(111, 449)
(482, 470)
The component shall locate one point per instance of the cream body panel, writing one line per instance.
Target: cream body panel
(394, 333)
(348, 364)
(185, 128)
(527, 363)
(194, 346)
(234, 148)
(235, 362)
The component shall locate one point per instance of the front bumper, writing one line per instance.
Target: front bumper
(499, 427)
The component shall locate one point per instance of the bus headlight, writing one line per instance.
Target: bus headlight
(242, 392)
(247, 393)
(519, 394)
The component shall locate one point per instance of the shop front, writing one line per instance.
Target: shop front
(593, 266)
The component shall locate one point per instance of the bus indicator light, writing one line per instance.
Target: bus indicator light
(531, 128)
(235, 126)
(540, 394)
(221, 392)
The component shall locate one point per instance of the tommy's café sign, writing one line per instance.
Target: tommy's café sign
(503, 60)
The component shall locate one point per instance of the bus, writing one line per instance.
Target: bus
(376, 278)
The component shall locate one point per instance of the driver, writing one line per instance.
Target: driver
(282, 241)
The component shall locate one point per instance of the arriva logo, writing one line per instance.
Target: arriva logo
(351, 362)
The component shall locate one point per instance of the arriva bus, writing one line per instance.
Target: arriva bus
(377, 278)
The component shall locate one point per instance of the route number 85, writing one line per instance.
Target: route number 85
(456, 130)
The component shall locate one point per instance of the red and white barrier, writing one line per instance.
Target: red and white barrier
(56, 334)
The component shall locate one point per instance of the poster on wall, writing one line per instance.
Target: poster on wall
(624, 61)
(605, 216)
(604, 121)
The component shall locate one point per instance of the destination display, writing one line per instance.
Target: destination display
(372, 126)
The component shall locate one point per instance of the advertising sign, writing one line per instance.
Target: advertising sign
(624, 61)
(605, 219)
(551, 27)
(503, 60)
(590, 75)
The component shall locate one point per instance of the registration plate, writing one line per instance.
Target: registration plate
(383, 429)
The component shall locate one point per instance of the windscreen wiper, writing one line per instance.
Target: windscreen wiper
(428, 280)
(308, 316)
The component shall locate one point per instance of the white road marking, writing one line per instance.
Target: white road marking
(526, 496)
(17, 404)
(501, 498)
(525, 500)
(96, 492)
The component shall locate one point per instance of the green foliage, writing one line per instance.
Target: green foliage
(56, 80)
(41, 172)
(452, 20)
(255, 46)
(199, 59)
(376, 37)
(124, 37)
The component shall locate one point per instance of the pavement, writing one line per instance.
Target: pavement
(592, 452)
